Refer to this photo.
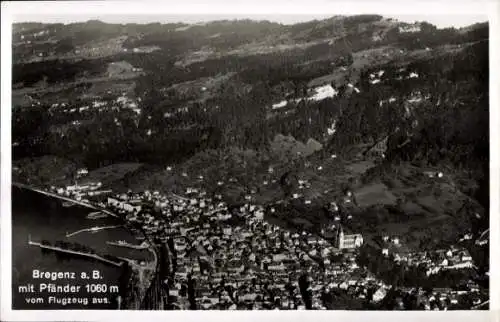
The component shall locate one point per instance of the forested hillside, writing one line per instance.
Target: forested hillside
(348, 83)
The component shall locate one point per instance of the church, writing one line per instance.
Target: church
(347, 241)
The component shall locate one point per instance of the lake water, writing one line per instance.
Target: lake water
(40, 217)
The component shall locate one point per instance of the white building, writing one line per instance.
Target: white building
(348, 241)
(82, 172)
(410, 28)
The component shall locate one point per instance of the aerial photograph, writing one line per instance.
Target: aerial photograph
(338, 162)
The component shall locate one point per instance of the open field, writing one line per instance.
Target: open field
(374, 194)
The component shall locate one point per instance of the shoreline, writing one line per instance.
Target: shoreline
(89, 206)
(54, 195)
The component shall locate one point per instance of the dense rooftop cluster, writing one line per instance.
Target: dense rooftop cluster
(235, 259)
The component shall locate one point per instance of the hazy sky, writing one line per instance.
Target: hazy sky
(441, 21)
(442, 13)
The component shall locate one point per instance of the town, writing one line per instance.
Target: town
(240, 261)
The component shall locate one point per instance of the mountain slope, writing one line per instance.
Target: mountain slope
(371, 92)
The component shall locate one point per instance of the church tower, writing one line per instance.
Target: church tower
(340, 238)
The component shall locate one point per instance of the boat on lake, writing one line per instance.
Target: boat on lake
(96, 215)
(68, 204)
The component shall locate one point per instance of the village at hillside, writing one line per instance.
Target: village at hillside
(239, 260)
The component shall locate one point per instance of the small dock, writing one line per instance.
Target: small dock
(127, 245)
(75, 252)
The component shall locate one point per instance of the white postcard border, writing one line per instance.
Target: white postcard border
(256, 7)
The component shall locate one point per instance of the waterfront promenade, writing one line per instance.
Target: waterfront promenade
(55, 195)
(75, 252)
